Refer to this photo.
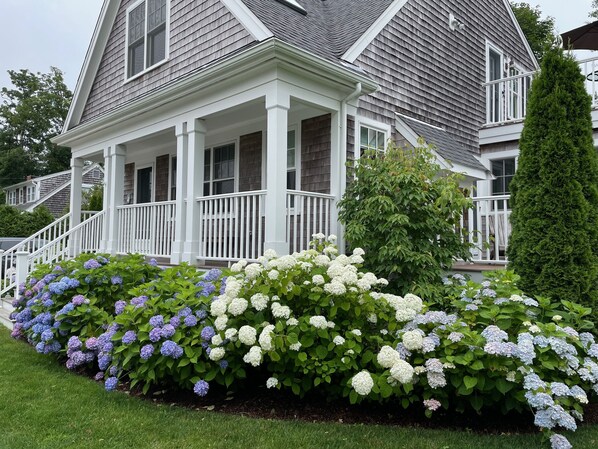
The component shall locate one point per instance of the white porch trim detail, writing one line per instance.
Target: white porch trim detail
(117, 187)
(182, 158)
(249, 20)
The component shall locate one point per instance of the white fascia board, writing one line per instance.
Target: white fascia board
(271, 50)
(521, 35)
(252, 24)
(366, 38)
(92, 61)
(501, 133)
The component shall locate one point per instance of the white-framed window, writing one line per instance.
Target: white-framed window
(12, 197)
(30, 194)
(173, 171)
(147, 35)
(292, 160)
(219, 170)
(494, 72)
(503, 171)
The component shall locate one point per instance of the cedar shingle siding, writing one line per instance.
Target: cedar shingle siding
(433, 74)
(162, 174)
(315, 154)
(129, 188)
(201, 31)
(250, 162)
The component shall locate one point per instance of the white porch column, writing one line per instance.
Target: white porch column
(75, 206)
(338, 158)
(196, 135)
(106, 200)
(182, 164)
(278, 103)
(116, 193)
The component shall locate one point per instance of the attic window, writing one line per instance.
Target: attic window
(146, 35)
(293, 5)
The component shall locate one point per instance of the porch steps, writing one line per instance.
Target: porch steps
(6, 309)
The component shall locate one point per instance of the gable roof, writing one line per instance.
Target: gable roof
(444, 144)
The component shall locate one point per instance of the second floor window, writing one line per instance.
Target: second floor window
(371, 139)
(12, 197)
(30, 194)
(146, 35)
(503, 171)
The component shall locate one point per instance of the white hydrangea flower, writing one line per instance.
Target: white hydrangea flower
(358, 260)
(273, 275)
(318, 321)
(318, 236)
(247, 335)
(259, 302)
(372, 318)
(335, 288)
(286, 262)
(387, 357)
(405, 314)
(383, 282)
(230, 333)
(237, 306)
(384, 331)
(330, 250)
(220, 322)
(217, 354)
(254, 356)
(527, 323)
(358, 252)
(233, 287)
(265, 338)
(413, 340)
(292, 322)
(534, 329)
(356, 332)
(344, 260)
(338, 340)
(236, 267)
(295, 346)
(270, 254)
(362, 383)
(216, 340)
(318, 279)
(335, 270)
(330, 324)
(322, 260)
(279, 311)
(332, 238)
(272, 382)
(350, 352)
(414, 302)
(402, 372)
(253, 270)
(419, 370)
(516, 298)
(363, 285)
(348, 277)
(557, 318)
(218, 307)
(511, 376)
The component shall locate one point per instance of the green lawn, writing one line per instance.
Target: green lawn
(42, 405)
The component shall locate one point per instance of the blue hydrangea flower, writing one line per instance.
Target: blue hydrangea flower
(168, 331)
(91, 343)
(560, 389)
(223, 364)
(212, 275)
(129, 337)
(47, 335)
(79, 300)
(147, 351)
(119, 307)
(175, 321)
(539, 400)
(91, 264)
(156, 321)
(559, 442)
(207, 333)
(139, 301)
(190, 321)
(494, 334)
(533, 382)
(155, 334)
(201, 314)
(111, 383)
(171, 349)
(153, 262)
(74, 343)
(201, 388)
(116, 280)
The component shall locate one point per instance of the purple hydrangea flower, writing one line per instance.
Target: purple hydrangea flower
(74, 343)
(201, 314)
(171, 349)
(190, 321)
(116, 280)
(119, 307)
(91, 264)
(184, 312)
(92, 343)
(223, 364)
(79, 300)
(559, 442)
(47, 335)
(104, 361)
(129, 337)
(201, 388)
(113, 370)
(111, 383)
(168, 331)
(99, 376)
(175, 321)
(147, 351)
(139, 301)
(212, 275)
(207, 333)
(156, 321)
(155, 334)
(153, 262)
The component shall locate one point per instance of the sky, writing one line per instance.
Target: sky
(38, 34)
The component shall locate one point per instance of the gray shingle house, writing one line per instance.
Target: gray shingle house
(224, 125)
(52, 191)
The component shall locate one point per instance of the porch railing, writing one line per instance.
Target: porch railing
(506, 98)
(147, 228)
(308, 213)
(231, 226)
(489, 228)
(31, 244)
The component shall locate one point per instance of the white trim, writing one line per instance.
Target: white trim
(521, 35)
(252, 24)
(495, 49)
(146, 69)
(366, 38)
(372, 124)
(297, 128)
(236, 142)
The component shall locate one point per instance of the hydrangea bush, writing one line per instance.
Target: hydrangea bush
(315, 321)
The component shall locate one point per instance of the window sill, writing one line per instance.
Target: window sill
(143, 72)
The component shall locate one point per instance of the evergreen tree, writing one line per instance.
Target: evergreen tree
(554, 243)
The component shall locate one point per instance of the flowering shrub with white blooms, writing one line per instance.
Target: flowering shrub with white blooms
(320, 323)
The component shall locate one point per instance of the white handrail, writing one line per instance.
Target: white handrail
(308, 213)
(147, 228)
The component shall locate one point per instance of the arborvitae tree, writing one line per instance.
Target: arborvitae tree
(554, 241)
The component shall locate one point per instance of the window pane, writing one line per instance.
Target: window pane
(497, 188)
(291, 158)
(292, 180)
(381, 141)
(136, 59)
(206, 189)
(222, 187)
(364, 136)
(206, 171)
(494, 66)
(291, 139)
(224, 162)
(156, 13)
(156, 50)
(137, 23)
(497, 168)
(509, 166)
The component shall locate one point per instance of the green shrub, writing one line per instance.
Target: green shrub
(554, 243)
(16, 223)
(404, 212)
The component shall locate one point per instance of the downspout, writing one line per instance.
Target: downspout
(343, 156)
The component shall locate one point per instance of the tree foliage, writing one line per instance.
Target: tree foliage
(554, 242)
(16, 223)
(540, 33)
(31, 113)
(593, 14)
(404, 212)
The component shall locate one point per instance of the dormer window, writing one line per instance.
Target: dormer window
(146, 35)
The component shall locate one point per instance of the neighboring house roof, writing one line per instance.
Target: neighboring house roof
(444, 144)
